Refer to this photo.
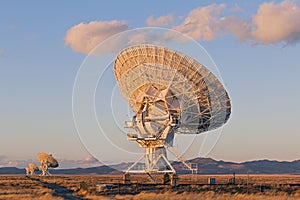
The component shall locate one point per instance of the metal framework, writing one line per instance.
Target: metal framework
(169, 93)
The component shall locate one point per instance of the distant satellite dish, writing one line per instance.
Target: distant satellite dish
(46, 161)
(169, 93)
(31, 169)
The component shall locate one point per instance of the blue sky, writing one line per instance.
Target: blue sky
(38, 70)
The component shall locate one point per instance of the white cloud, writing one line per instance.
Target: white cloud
(89, 161)
(85, 37)
(275, 23)
(160, 21)
(5, 162)
(240, 28)
(272, 24)
(12, 163)
(200, 21)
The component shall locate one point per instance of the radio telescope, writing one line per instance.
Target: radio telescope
(46, 161)
(31, 168)
(169, 93)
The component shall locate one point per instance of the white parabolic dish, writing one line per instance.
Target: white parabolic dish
(175, 82)
(46, 158)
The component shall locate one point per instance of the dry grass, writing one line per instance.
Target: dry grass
(202, 196)
(47, 196)
(60, 187)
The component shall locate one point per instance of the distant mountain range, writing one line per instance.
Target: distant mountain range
(211, 166)
(205, 166)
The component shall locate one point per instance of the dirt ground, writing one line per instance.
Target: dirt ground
(112, 187)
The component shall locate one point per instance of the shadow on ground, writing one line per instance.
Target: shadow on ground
(58, 190)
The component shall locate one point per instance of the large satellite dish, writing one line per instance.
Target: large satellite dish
(46, 161)
(169, 93)
(31, 168)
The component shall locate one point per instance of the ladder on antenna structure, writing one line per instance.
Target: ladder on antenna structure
(191, 166)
